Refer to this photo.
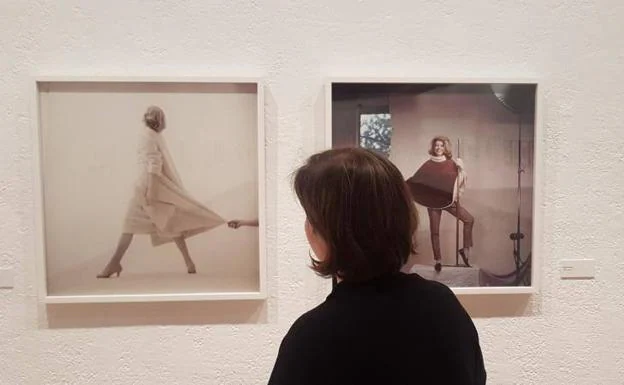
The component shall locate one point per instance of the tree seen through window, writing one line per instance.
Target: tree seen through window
(376, 132)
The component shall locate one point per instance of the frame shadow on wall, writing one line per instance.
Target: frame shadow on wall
(95, 153)
(477, 212)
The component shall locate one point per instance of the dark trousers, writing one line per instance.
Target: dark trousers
(434, 225)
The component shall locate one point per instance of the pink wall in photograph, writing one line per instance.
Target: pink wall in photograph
(487, 136)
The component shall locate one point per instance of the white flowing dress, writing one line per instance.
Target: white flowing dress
(173, 213)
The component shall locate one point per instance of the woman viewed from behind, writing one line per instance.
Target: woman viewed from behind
(378, 325)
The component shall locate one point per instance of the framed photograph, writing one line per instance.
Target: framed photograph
(469, 151)
(150, 189)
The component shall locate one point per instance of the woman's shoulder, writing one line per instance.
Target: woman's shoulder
(150, 134)
(314, 316)
(149, 138)
(307, 329)
(434, 294)
(430, 285)
(416, 281)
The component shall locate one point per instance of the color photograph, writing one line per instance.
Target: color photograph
(150, 188)
(467, 153)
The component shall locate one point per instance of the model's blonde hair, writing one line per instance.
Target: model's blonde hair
(154, 118)
(448, 149)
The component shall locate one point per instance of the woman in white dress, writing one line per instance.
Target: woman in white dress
(160, 207)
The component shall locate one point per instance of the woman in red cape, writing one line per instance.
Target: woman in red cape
(437, 185)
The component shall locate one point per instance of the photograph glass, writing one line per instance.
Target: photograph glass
(466, 151)
(150, 188)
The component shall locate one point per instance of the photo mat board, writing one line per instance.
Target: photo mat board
(479, 199)
(169, 170)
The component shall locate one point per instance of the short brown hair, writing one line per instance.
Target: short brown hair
(358, 202)
(448, 147)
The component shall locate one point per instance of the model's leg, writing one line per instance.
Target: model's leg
(434, 228)
(468, 222)
(114, 265)
(181, 243)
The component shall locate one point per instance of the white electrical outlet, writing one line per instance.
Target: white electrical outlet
(577, 268)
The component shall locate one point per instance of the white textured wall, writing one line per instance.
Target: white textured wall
(570, 333)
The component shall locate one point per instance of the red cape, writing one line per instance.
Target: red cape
(433, 184)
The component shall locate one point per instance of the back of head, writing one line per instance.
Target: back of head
(357, 201)
(154, 118)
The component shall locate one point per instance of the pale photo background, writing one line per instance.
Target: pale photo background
(90, 133)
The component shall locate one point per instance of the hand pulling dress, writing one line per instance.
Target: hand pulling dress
(173, 212)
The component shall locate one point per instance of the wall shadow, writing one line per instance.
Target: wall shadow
(320, 114)
(67, 316)
(500, 305)
(271, 156)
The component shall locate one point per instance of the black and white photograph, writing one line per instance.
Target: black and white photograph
(150, 188)
(467, 154)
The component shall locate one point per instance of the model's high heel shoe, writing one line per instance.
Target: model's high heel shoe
(108, 271)
(464, 258)
(191, 269)
(438, 266)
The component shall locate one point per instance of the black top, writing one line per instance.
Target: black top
(398, 329)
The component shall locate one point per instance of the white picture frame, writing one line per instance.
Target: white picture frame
(362, 83)
(253, 285)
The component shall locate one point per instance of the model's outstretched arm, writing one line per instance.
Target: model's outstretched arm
(236, 223)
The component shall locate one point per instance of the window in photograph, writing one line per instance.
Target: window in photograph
(376, 132)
